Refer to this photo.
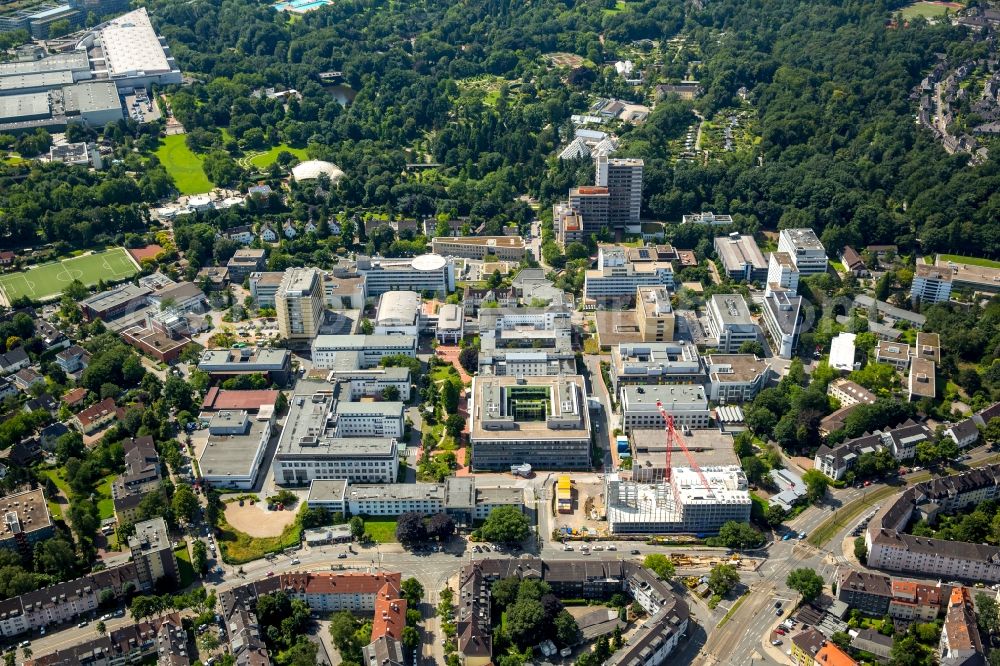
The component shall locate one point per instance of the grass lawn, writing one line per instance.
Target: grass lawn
(105, 505)
(925, 9)
(443, 372)
(184, 567)
(47, 280)
(620, 6)
(54, 507)
(266, 159)
(239, 548)
(381, 529)
(972, 261)
(183, 165)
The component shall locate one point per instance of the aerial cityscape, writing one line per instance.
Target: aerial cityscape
(626, 332)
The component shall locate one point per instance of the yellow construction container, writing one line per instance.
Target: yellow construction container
(564, 494)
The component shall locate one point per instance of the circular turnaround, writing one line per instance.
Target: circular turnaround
(312, 169)
(428, 262)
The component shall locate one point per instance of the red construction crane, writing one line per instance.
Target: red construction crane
(674, 437)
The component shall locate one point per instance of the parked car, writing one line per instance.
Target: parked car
(634, 551)
(780, 632)
(776, 641)
(341, 556)
(82, 624)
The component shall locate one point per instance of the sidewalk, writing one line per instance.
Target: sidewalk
(776, 652)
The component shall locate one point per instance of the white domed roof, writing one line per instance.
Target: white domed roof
(311, 170)
(428, 262)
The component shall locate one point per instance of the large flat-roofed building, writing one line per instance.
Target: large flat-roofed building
(275, 363)
(649, 363)
(896, 354)
(450, 324)
(326, 349)
(344, 291)
(921, 382)
(783, 321)
(327, 439)
(782, 274)
(134, 55)
(708, 219)
(25, 521)
(984, 279)
(741, 257)
(687, 404)
(692, 501)
(654, 314)
(264, 287)
(730, 323)
(931, 284)
(504, 248)
(235, 450)
(299, 304)
(623, 178)
(648, 446)
(736, 377)
(805, 250)
(460, 497)
(426, 273)
(525, 341)
(543, 421)
(95, 103)
(25, 108)
(369, 382)
(115, 302)
(398, 313)
(842, 352)
(369, 419)
(617, 277)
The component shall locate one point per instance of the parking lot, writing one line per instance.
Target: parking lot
(140, 107)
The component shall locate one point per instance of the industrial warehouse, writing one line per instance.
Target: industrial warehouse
(85, 85)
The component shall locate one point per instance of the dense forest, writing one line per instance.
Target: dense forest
(839, 148)
(829, 82)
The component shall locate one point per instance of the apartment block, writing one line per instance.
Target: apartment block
(591, 206)
(153, 553)
(299, 304)
(849, 393)
(931, 284)
(26, 521)
(623, 178)
(805, 250)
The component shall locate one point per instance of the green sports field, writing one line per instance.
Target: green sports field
(47, 280)
(183, 165)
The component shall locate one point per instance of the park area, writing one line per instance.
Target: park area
(264, 159)
(49, 280)
(929, 9)
(183, 165)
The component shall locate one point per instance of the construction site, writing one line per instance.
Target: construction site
(686, 499)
